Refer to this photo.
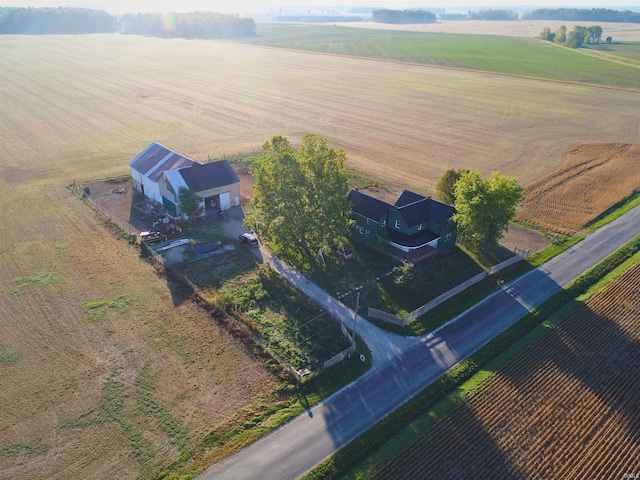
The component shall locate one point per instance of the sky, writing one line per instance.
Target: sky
(246, 6)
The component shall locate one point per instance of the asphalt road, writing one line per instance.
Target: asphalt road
(408, 365)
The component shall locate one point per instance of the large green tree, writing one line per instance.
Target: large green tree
(300, 196)
(446, 189)
(561, 35)
(484, 207)
(577, 37)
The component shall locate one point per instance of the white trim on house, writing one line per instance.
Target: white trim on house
(433, 244)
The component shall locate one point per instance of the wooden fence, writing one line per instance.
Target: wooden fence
(445, 296)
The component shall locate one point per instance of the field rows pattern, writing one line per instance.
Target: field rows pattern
(567, 407)
(594, 177)
(81, 107)
(67, 101)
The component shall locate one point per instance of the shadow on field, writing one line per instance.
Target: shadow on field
(573, 392)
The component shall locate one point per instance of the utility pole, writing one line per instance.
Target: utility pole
(355, 317)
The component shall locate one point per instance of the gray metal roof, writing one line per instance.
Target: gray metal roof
(156, 159)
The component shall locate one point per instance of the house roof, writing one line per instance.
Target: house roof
(154, 160)
(367, 206)
(440, 212)
(412, 207)
(204, 176)
(408, 198)
(181, 170)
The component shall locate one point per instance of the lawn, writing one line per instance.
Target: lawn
(625, 50)
(376, 278)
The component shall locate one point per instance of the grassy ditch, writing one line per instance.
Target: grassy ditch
(371, 449)
(274, 313)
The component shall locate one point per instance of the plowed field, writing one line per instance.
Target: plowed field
(568, 407)
(594, 177)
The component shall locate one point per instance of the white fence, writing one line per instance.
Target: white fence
(505, 264)
(346, 352)
(386, 317)
(341, 356)
(402, 321)
(445, 296)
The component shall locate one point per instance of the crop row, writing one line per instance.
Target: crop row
(567, 407)
(593, 178)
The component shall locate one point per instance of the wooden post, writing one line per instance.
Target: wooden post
(355, 317)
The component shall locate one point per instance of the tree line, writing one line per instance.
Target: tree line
(492, 14)
(63, 20)
(383, 15)
(562, 14)
(583, 15)
(187, 25)
(576, 37)
(67, 20)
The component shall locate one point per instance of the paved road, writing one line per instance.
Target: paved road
(404, 368)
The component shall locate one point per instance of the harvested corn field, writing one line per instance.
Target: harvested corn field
(594, 177)
(568, 407)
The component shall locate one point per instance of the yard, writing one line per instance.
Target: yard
(274, 314)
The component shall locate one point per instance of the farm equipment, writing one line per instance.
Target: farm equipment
(150, 238)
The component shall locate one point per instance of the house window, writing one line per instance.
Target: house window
(447, 236)
(383, 223)
(368, 221)
(419, 227)
(360, 229)
(367, 233)
(398, 224)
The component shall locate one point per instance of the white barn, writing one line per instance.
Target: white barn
(158, 173)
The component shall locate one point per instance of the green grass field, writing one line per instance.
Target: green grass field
(625, 50)
(505, 55)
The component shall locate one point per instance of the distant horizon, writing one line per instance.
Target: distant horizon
(310, 6)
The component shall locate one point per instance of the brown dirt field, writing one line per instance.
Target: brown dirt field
(594, 177)
(204, 377)
(567, 407)
(402, 123)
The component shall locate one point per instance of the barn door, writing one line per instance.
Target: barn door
(225, 201)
